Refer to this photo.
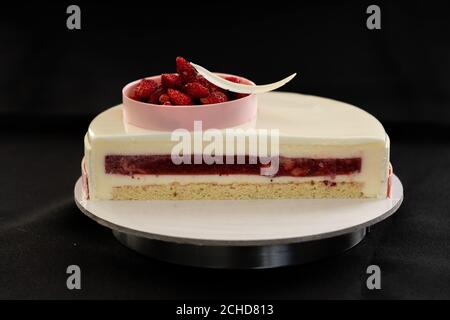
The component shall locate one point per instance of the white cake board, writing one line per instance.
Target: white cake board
(240, 233)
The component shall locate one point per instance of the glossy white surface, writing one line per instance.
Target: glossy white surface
(241, 221)
(303, 118)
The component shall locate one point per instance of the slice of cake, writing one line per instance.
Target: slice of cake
(327, 149)
(199, 135)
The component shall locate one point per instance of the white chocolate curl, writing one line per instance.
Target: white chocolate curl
(239, 87)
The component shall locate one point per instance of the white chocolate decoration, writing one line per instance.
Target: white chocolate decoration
(239, 87)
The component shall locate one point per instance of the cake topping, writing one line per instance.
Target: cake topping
(234, 86)
(171, 80)
(144, 89)
(178, 98)
(190, 88)
(164, 98)
(154, 97)
(196, 90)
(214, 97)
(186, 71)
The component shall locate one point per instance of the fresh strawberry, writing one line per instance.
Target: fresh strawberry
(200, 79)
(179, 98)
(212, 87)
(144, 89)
(186, 71)
(236, 80)
(171, 80)
(154, 97)
(167, 103)
(233, 79)
(240, 95)
(214, 97)
(195, 90)
(164, 98)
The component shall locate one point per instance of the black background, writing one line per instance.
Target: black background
(53, 81)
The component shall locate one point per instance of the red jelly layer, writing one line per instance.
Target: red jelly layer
(163, 165)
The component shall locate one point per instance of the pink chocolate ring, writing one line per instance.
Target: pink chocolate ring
(168, 118)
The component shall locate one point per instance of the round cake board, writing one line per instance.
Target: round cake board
(240, 233)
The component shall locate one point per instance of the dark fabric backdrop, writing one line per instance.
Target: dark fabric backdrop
(53, 81)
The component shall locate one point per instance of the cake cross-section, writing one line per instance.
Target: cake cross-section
(325, 149)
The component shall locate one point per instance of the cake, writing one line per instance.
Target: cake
(325, 148)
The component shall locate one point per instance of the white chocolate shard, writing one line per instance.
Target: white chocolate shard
(239, 87)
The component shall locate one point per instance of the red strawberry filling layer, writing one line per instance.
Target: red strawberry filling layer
(163, 165)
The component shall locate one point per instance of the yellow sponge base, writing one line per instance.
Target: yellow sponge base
(239, 191)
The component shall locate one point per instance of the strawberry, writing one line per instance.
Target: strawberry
(164, 98)
(236, 80)
(144, 89)
(178, 97)
(240, 95)
(171, 80)
(212, 87)
(214, 97)
(154, 97)
(186, 71)
(233, 79)
(200, 79)
(167, 103)
(195, 90)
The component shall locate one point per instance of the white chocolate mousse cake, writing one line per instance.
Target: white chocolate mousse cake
(327, 149)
